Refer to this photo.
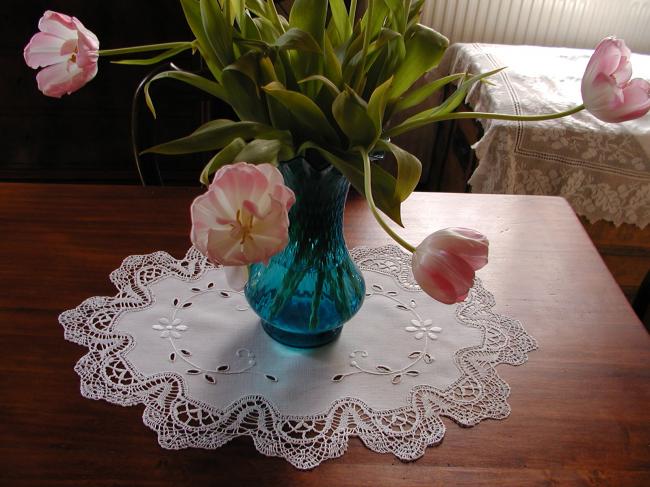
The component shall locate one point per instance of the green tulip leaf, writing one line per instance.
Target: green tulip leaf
(340, 20)
(351, 114)
(305, 111)
(331, 63)
(266, 10)
(192, 11)
(260, 151)
(424, 49)
(326, 82)
(398, 13)
(454, 101)
(309, 16)
(236, 11)
(249, 66)
(409, 169)
(243, 92)
(438, 113)
(297, 39)
(217, 134)
(249, 27)
(377, 104)
(268, 31)
(203, 84)
(420, 94)
(217, 31)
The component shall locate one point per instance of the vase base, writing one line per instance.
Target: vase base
(301, 340)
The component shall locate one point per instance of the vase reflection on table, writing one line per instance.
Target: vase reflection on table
(309, 290)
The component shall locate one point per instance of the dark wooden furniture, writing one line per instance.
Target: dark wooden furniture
(453, 160)
(580, 412)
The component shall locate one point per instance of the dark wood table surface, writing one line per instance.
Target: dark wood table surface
(580, 405)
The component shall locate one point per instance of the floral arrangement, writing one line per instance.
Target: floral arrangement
(323, 81)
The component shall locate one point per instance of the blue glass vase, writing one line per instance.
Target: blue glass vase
(309, 290)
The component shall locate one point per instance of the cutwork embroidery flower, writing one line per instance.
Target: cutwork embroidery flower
(420, 328)
(168, 329)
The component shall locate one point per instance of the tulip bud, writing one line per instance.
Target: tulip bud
(444, 264)
(607, 92)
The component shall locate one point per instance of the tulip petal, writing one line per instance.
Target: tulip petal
(44, 50)
(433, 283)
(458, 272)
(623, 71)
(239, 182)
(58, 24)
(637, 99)
(223, 248)
(202, 214)
(283, 195)
(272, 175)
(253, 209)
(471, 245)
(58, 79)
(87, 48)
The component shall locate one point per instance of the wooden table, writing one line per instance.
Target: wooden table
(580, 406)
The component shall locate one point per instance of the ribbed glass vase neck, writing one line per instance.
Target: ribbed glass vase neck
(317, 215)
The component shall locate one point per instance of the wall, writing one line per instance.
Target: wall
(566, 23)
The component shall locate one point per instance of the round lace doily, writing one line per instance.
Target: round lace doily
(176, 339)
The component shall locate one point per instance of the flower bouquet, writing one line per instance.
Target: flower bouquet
(317, 96)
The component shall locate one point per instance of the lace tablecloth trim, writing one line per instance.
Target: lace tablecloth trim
(602, 169)
(182, 422)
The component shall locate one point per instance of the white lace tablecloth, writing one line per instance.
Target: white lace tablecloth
(602, 169)
(176, 339)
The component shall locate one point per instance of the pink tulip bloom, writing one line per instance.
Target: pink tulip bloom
(66, 50)
(445, 262)
(607, 91)
(243, 217)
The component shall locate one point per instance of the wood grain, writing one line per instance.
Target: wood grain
(580, 412)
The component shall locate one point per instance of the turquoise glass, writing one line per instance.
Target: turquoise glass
(309, 290)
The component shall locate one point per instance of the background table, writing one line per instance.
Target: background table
(580, 406)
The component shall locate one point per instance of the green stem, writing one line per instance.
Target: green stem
(145, 48)
(315, 303)
(505, 116)
(367, 188)
(495, 116)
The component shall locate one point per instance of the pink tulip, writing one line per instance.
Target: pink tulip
(66, 50)
(243, 217)
(445, 262)
(607, 91)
